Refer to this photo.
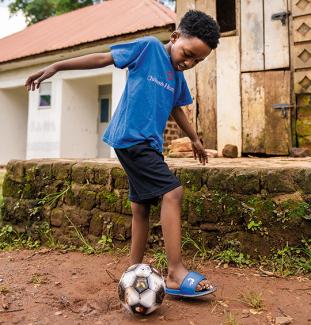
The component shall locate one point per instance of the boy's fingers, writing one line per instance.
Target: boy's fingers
(30, 82)
(203, 157)
(40, 80)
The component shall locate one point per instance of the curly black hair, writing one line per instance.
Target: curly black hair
(196, 23)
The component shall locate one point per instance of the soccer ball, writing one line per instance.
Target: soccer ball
(141, 289)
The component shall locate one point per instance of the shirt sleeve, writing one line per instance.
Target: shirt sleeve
(126, 54)
(184, 97)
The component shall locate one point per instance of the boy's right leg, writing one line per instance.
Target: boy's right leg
(171, 228)
(140, 229)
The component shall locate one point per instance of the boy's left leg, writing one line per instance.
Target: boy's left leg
(171, 228)
(140, 229)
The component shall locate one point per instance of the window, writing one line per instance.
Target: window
(104, 110)
(45, 95)
(225, 11)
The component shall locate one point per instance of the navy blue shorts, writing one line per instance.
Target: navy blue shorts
(148, 175)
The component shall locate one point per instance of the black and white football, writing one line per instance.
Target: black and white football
(141, 289)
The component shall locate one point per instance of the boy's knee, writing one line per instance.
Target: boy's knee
(140, 208)
(176, 194)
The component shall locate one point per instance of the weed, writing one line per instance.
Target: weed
(111, 198)
(105, 243)
(292, 260)
(49, 199)
(125, 250)
(1, 205)
(4, 290)
(2, 173)
(230, 319)
(199, 246)
(252, 299)
(52, 198)
(38, 279)
(160, 260)
(230, 255)
(294, 209)
(46, 234)
(253, 225)
(10, 239)
(86, 246)
(127, 204)
(34, 211)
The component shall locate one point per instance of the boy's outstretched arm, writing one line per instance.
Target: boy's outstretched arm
(197, 147)
(90, 61)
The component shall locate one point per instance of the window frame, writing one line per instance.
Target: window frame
(45, 93)
(233, 32)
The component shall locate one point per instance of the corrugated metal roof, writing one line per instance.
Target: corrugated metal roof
(92, 23)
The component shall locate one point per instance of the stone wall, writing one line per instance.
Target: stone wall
(255, 209)
(303, 122)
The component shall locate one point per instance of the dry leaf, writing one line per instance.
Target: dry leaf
(222, 303)
(255, 312)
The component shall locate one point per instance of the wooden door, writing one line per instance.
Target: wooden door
(264, 41)
(206, 88)
(266, 128)
(182, 6)
(228, 94)
(252, 35)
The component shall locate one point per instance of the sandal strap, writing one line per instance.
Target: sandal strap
(190, 282)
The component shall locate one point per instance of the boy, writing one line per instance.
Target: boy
(155, 89)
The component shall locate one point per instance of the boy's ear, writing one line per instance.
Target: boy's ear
(174, 37)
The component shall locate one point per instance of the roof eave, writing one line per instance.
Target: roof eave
(102, 45)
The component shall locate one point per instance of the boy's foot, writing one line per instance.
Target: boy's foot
(176, 277)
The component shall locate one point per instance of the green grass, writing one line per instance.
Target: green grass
(160, 260)
(199, 246)
(292, 260)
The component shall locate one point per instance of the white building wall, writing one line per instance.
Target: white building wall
(13, 124)
(70, 127)
(119, 78)
(79, 119)
(43, 137)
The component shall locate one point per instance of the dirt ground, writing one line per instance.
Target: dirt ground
(54, 287)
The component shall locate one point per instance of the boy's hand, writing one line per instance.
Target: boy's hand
(198, 151)
(35, 80)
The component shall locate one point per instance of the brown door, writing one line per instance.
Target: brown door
(266, 127)
(265, 77)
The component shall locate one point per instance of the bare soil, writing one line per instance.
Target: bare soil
(55, 287)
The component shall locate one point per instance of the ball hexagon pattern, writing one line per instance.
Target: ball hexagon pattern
(141, 289)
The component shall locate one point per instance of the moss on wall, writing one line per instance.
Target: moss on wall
(259, 209)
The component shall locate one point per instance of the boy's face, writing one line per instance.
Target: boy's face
(187, 51)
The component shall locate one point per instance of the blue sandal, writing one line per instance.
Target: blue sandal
(188, 286)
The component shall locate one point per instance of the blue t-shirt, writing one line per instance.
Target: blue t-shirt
(152, 89)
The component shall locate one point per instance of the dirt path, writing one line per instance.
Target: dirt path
(51, 287)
